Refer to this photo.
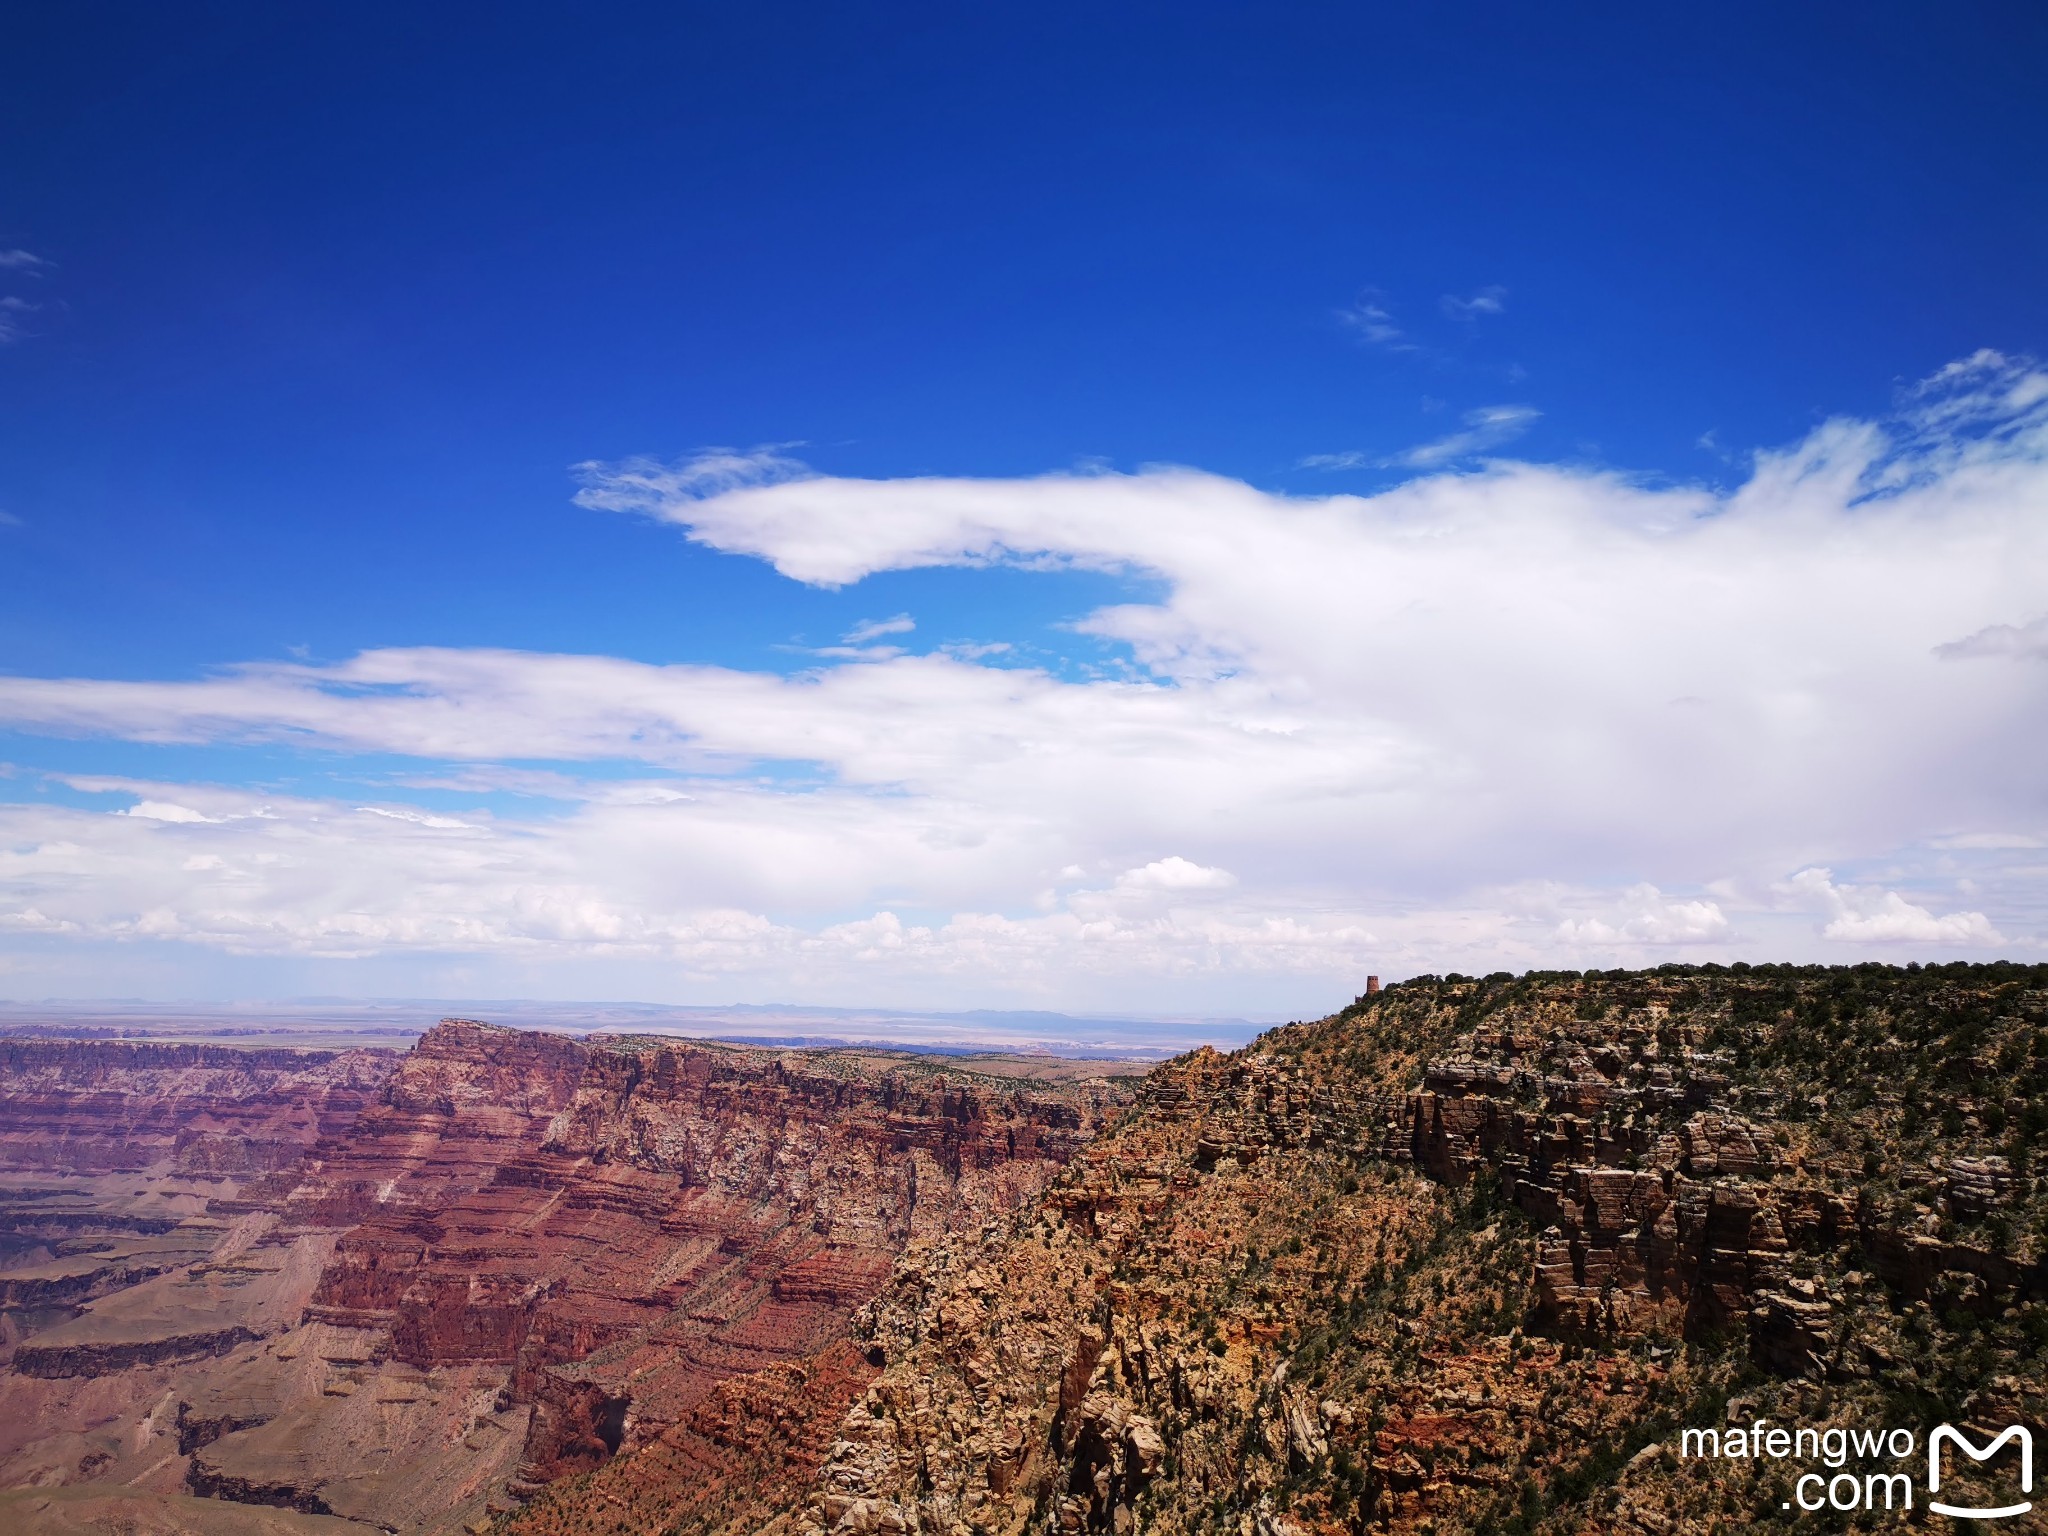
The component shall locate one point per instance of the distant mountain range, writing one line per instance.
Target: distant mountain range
(385, 1021)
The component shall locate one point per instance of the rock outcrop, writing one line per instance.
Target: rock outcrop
(1462, 1255)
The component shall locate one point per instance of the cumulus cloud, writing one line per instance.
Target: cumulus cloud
(1645, 915)
(1175, 873)
(1479, 719)
(687, 880)
(164, 810)
(1866, 915)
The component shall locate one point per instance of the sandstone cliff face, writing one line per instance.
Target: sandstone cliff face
(1464, 1256)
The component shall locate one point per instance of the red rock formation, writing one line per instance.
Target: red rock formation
(627, 1246)
(670, 1216)
(86, 1107)
(109, 1153)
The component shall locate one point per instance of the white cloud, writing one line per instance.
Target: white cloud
(164, 810)
(651, 487)
(680, 880)
(1175, 873)
(1645, 915)
(1490, 300)
(1389, 718)
(1866, 915)
(875, 629)
(859, 642)
(1488, 427)
(418, 818)
(15, 310)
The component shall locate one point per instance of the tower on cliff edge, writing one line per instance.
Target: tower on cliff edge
(1372, 985)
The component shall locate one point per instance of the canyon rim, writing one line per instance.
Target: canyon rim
(1470, 1254)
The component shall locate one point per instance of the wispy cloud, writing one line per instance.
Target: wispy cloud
(858, 643)
(1490, 300)
(1372, 322)
(15, 310)
(654, 488)
(14, 313)
(1488, 427)
(874, 629)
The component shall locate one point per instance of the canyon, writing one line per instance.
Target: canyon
(409, 1292)
(1463, 1256)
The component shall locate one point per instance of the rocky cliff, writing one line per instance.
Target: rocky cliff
(624, 1225)
(1466, 1255)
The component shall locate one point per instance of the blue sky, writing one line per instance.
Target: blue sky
(316, 312)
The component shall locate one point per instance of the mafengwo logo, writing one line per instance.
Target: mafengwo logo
(1846, 1486)
(1947, 1434)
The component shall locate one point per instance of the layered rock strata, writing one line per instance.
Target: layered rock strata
(122, 1161)
(201, 1111)
(506, 1259)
